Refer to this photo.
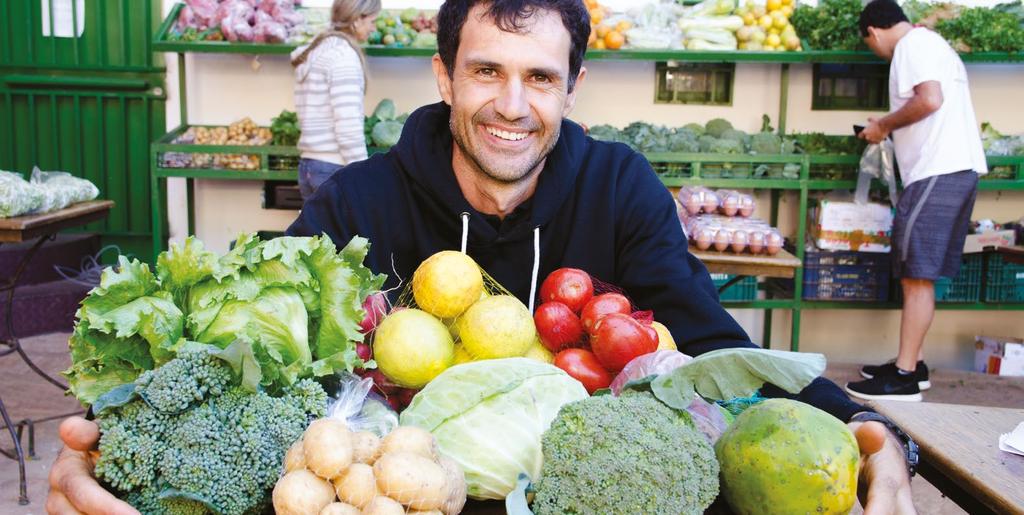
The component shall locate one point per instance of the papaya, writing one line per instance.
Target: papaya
(788, 458)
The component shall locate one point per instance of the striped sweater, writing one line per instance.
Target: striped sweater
(329, 90)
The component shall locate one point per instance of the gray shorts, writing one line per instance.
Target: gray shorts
(932, 218)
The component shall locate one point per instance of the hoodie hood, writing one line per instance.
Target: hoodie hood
(302, 70)
(424, 154)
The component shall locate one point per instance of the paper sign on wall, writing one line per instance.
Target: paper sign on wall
(63, 18)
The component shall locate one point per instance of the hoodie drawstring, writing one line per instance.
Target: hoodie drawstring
(536, 255)
(536, 265)
(465, 230)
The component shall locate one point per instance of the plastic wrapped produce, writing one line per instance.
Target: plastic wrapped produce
(18, 196)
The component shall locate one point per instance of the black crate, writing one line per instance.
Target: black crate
(846, 275)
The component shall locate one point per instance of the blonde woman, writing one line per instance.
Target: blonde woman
(330, 81)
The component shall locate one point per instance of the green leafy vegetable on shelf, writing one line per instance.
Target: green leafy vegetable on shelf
(285, 128)
(297, 300)
(384, 127)
(980, 29)
(716, 127)
(830, 26)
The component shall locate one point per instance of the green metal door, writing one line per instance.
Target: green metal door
(81, 91)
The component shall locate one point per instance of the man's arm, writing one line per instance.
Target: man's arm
(926, 100)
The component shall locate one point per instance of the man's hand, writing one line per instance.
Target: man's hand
(73, 489)
(874, 132)
(884, 486)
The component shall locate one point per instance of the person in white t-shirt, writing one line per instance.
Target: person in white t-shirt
(939, 155)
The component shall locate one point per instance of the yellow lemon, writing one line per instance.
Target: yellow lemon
(447, 283)
(497, 327)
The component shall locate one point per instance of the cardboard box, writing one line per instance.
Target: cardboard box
(999, 356)
(851, 226)
(978, 242)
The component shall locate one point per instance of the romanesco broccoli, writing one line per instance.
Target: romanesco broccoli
(192, 441)
(628, 454)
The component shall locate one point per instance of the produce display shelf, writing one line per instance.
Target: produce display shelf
(163, 43)
(222, 174)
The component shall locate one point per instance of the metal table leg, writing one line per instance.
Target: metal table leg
(14, 346)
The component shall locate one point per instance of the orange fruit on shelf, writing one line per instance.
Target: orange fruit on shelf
(599, 45)
(614, 40)
(623, 26)
(603, 30)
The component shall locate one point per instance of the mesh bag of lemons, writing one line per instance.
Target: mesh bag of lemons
(452, 313)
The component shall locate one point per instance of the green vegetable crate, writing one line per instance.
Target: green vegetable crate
(1004, 280)
(743, 290)
(966, 286)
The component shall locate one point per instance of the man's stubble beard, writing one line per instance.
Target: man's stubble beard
(463, 144)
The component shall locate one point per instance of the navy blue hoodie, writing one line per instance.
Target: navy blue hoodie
(598, 207)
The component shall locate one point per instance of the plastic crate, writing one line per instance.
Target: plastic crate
(846, 275)
(1004, 281)
(966, 286)
(743, 290)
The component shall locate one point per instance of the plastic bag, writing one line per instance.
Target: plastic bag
(360, 410)
(61, 189)
(877, 162)
(18, 196)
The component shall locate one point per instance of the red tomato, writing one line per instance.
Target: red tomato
(652, 332)
(602, 305)
(618, 338)
(583, 366)
(570, 286)
(557, 326)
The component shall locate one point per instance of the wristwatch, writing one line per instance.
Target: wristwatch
(910, 448)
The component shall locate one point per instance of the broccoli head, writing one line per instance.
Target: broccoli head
(717, 127)
(186, 439)
(737, 135)
(628, 454)
(696, 128)
(766, 143)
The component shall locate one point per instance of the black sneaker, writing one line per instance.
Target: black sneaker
(920, 373)
(886, 387)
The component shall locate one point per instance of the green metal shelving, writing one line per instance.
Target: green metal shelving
(674, 169)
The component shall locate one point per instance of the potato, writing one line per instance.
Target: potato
(327, 447)
(294, 459)
(339, 508)
(365, 447)
(456, 499)
(300, 493)
(412, 480)
(384, 506)
(356, 485)
(410, 439)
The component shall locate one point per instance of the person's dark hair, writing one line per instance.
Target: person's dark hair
(880, 14)
(512, 16)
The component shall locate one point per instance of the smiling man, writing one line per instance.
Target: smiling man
(498, 168)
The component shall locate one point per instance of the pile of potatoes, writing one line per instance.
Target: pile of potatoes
(334, 471)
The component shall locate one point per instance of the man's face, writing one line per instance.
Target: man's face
(508, 93)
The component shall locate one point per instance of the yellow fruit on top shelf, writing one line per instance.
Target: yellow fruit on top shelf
(597, 15)
(603, 30)
(614, 40)
(787, 10)
(791, 42)
(790, 3)
(765, 22)
(773, 5)
(775, 31)
(749, 19)
(779, 20)
(772, 40)
(599, 45)
(623, 26)
(759, 11)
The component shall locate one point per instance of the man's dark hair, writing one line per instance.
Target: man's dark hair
(881, 14)
(512, 16)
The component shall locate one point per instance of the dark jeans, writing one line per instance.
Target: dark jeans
(313, 173)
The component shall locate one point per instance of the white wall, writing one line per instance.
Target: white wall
(224, 88)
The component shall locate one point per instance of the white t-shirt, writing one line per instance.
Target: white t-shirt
(949, 139)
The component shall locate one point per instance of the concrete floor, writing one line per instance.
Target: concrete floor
(28, 396)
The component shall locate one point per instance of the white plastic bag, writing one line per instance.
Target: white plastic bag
(877, 162)
(362, 411)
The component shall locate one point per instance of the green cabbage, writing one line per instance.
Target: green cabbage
(298, 301)
(489, 417)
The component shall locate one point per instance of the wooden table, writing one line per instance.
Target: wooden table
(42, 228)
(782, 265)
(960, 452)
